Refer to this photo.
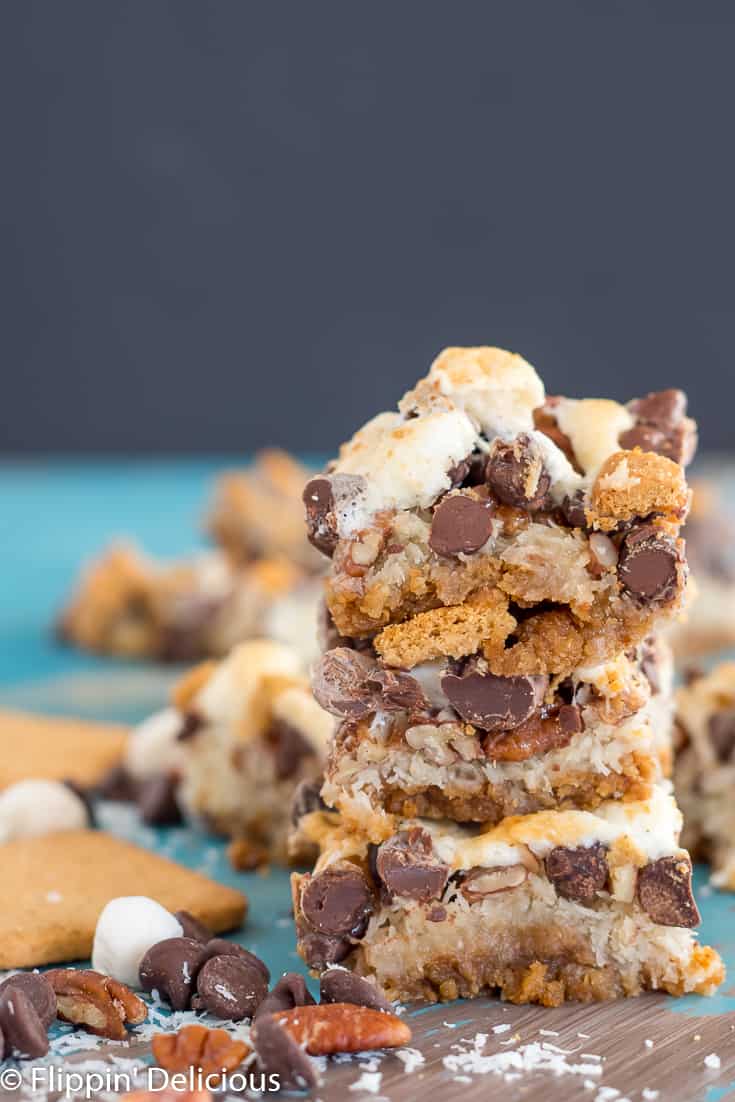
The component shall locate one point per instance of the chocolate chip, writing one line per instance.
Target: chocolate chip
(306, 799)
(337, 985)
(192, 927)
(662, 426)
(340, 683)
(493, 703)
(662, 408)
(184, 637)
(157, 800)
(229, 987)
(353, 685)
(396, 690)
(290, 748)
(289, 992)
(219, 947)
(24, 1032)
(721, 729)
(321, 950)
(39, 991)
(573, 511)
(280, 1056)
(665, 892)
(648, 565)
(191, 724)
(338, 901)
(579, 872)
(321, 521)
(170, 967)
(570, 719)
(117, 785)
(461, 524)
(407, 866)
(516, 474)
(646, 437)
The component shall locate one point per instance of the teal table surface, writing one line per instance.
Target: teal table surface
(53, 516)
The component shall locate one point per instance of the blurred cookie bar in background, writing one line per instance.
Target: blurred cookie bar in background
(240, 737)
(260, 581)
(258, 512)
(128, 604)
(705, 769)
(709, 624)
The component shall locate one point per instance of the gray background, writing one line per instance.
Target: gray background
(226, 224)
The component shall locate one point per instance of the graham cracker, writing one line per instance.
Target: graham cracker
(54, 888)
(50, 748)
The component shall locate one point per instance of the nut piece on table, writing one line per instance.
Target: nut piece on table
(213, 1051)
(341, 1027)
(95, 1002)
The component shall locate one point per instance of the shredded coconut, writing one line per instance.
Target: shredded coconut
(369, 1081)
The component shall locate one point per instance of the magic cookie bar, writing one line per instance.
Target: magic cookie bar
(249, 733)
(705, 768)
(257, 513)
(477, 747)
(131, 605)
(542, 908)
(494, 812)
(484, 517)
(710, 542)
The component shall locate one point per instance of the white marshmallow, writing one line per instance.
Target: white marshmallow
(153, 747)
(126, 930)
(230, 691)
(405, 463)
(34, 807)
(499, 389)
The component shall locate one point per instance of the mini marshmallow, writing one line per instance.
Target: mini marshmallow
(34, 807)
(126, 929)
(153, 746)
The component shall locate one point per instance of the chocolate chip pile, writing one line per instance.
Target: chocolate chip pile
(502, 566)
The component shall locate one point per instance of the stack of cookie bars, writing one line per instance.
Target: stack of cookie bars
(495, 813)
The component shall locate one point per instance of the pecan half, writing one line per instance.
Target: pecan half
(538, 735)
(213, 1051)
(342, 1027)
(94, 1002)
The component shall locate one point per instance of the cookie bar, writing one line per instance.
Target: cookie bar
(131, 605)
(482, 516)
(257, 513)
(478, 748)
(709, 624)
(543, 908)
(705, 769)
(249, 733)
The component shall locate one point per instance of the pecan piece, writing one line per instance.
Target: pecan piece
(538, 735)
(342, 1027)
(213, 1051)
(94, 1002)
